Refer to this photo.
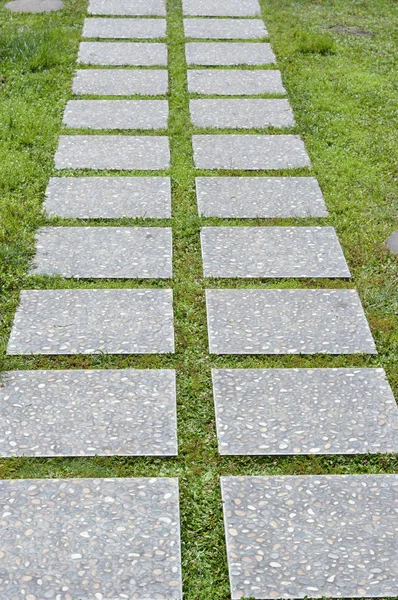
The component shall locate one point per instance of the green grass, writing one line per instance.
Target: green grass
(343, 91)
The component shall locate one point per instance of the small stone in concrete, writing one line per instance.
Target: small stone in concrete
(229, 53)
(120, 82)
(128, 7)
(304, 411)
(241, 114)
(87, 413)
(263, 197)
(224, 29)
(136, 54)
(117, 114)
(93, 321)
(104, 252)
(121, 152)
(101, 539)
(109, 197)
(124, 28)
(234, 82)
(34, 6)
(221, 8)
(264, 321)
(272, 252)
(392, 242)
(329, 536)
(249, 152)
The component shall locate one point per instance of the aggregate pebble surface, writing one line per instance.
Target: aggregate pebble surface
(304, 411)
(117, 114)
(266, 197)
(330, 536)
(90, 539)
(109, 197)
(229, 53)
(264, 321)
(124, 28)
(135, 54)
(221, 8)
(232, 82)
(249, 152)
(241, 114)
(272, 252)
(121, 82)
(93, 321)
(88, 413)
(128, 7)
(101, 252)
(224, 29)
(112, 152)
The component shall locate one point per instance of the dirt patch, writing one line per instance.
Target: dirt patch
(352, 30)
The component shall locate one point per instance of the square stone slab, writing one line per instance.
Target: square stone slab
(124, 28)
(109, 197)
(101, 252)
(249, 152)
(136, 54)
(229, 53)
(272, 252)
(90, 539)
(241, 114)
(224, 29)
(304, 411)
(221, 8)
(263, 321)
(88, 413)
(331, 536)
(265, 197)
(234, 82)
(128, 7)
(120, 152)
(110, 321)
(120, 82)
(117, 114)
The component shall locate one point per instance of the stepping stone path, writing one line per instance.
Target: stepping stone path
(287, 537)
(115, 538)
(311, 536)
(88, 413)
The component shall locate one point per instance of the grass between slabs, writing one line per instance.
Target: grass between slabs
(338, 60)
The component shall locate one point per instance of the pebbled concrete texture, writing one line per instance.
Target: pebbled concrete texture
(304, 411)
(124, 28)
(221, 8)
(233, 82)
(251, 113)
(93, 321)
(117, 114)
(392, 242)
(224, 29)
(119, 54)
(229, 53)
(34, 6)
(330, 536)
(90, 538)
(87, 413)
(121, 82)
(264, 321)
(128, 7)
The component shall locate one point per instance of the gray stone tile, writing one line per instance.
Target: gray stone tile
(136, 54)
(109, 197)
(229, 53)
(124, 28)
(117, 114)
(127, 7)
(120, 82)
(249, 152)
(304, 411)
(266, 197)
(272, 252)
(88, 413)
(224, 29)
(34, 6)
(112, 152)
(93, 321)
(93, 539)
(221, 8)
(331, 536)
(235, 82)
(264, 321)
(251, 113)
(392, 242)
(101, 252)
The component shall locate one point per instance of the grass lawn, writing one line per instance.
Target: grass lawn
(342, 85)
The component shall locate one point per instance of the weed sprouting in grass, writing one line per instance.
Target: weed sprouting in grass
(309, 42)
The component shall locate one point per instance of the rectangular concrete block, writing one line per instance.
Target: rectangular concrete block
(119, 54)
(124, 28)
(221, 8)
(224, 29)
(120, 82)
(117, 114)
(241, 114)
(234, 82)
(212, 54)
(127, 7)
